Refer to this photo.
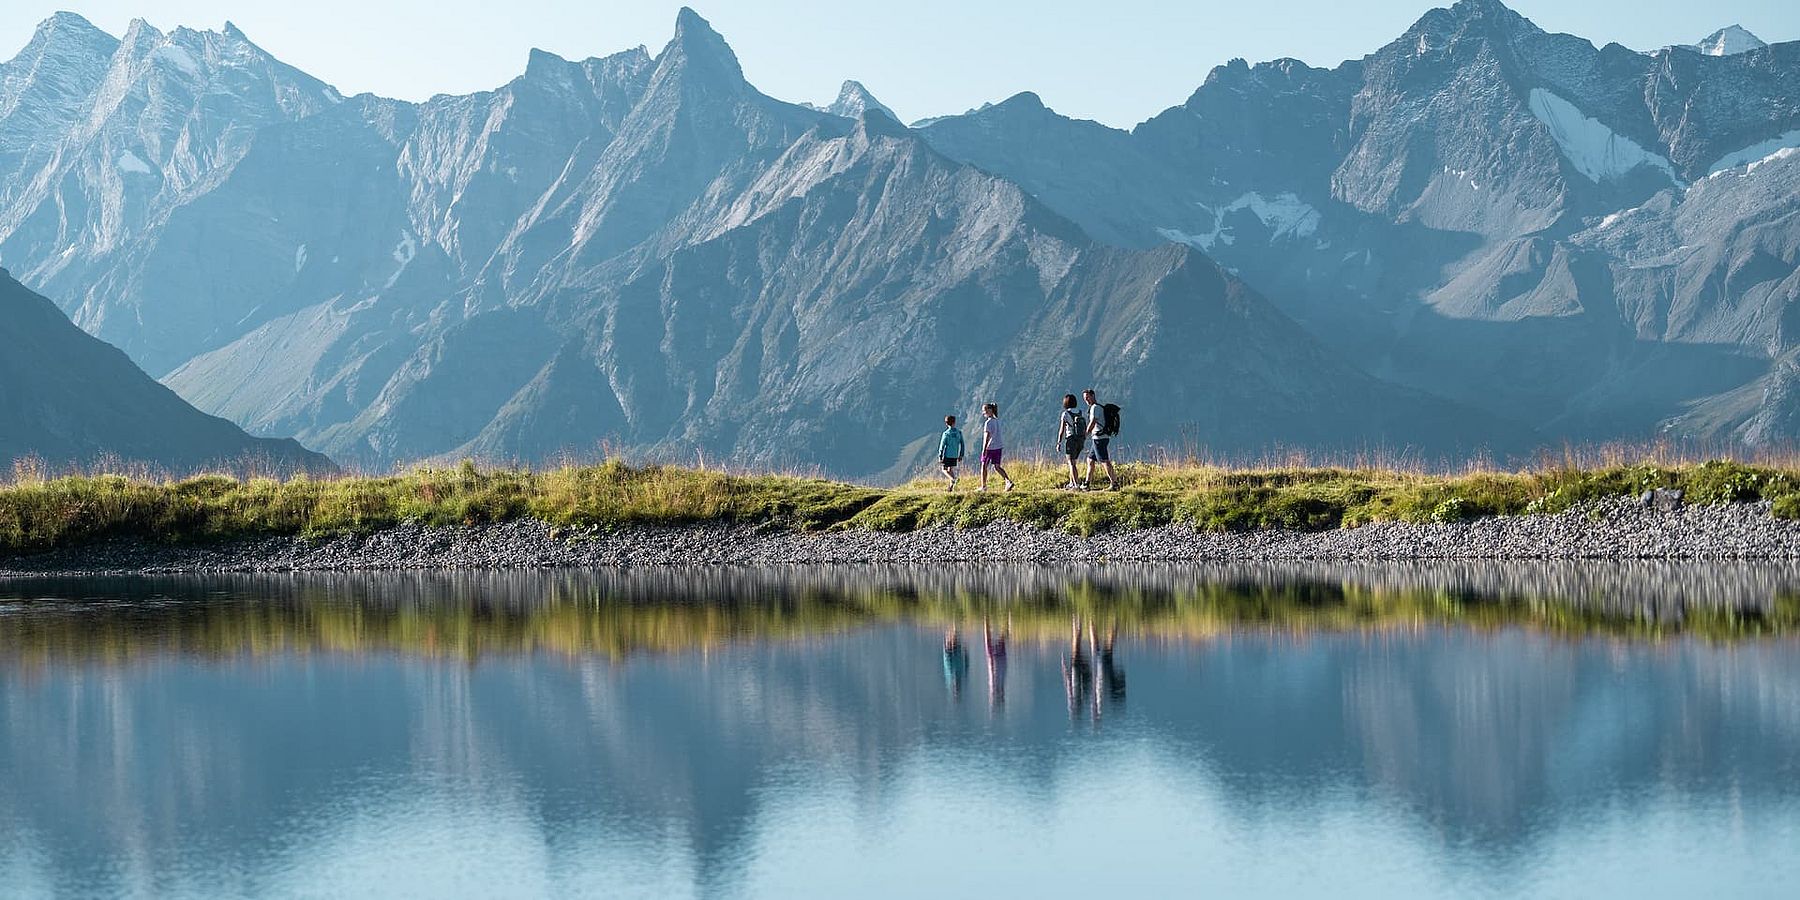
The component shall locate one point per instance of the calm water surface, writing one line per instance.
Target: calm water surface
(1289, 731)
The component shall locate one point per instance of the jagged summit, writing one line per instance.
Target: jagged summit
(70, 20)
(1468, 18)
(696, 43)
(1730, 41)
(1491, 10)
(853, 100)
(66, 33)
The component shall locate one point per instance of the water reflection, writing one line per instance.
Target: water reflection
(811, 732)
(618, 613)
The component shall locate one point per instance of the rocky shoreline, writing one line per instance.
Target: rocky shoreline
(1614, 529)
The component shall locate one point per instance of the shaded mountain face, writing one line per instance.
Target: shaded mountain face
(1593, 240)
(68, 398)
(640, 252)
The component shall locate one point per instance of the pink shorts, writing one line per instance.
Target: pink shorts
(992, 457)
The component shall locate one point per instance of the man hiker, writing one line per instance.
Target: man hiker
(1103, 423)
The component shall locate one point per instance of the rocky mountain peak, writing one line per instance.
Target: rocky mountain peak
(68, 26)
(1730, 41)
(540, 63)
(62, 40)
(853, 100)
(1468, 19)
(697, 47)
(45, 88)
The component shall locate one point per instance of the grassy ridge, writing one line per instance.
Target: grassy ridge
(42, 513)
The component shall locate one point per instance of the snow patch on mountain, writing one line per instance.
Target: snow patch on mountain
(1590, 146)
(131, 163)
(1730, 41)
(1285, 215)
(177, 57)
(1777, 156)
(299, 258)
(1755, 153)
(403, 255)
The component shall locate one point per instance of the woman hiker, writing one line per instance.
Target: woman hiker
(991, 447)
(1071, 435)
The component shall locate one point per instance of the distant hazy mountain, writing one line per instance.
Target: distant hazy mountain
(66, 397)
(646, 252)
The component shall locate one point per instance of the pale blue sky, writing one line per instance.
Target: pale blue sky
(1118, 61)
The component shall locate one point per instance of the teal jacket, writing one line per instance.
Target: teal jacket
(950, 446)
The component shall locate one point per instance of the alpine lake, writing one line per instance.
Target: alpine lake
(1308, 730)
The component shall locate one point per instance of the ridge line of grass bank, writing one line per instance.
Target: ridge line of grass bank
(38, 514)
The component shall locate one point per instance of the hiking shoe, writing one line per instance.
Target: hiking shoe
(1112, 485)
(1009, 484)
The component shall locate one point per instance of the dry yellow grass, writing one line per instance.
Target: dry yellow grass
(39, 512)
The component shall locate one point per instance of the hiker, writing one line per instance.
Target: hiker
(950, 450)
(991, 448)
(1071, 435)
(1103, 422)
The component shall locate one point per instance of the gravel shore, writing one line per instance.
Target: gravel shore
(1614, 529)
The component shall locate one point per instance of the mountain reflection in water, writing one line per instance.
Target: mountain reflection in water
(1522, 729)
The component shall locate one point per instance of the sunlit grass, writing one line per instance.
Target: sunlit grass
(39, 512)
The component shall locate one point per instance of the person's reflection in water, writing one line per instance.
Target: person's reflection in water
(956, 663)
(1078, 671)
(1110, 688)
(996, 663)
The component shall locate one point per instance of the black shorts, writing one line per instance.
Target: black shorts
(1099, 452)
(948, 463)
(1072, 446)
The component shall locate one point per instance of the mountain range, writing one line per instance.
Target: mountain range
(1480, 237)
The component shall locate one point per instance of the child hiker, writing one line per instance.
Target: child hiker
(991, 447)
(950, 450)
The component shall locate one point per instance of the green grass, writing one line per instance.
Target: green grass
(39, 513)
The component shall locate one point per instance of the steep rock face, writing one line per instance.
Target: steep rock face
(66, 397)
(1590, 239)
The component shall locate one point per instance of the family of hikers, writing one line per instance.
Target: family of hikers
(1077, 431)
(1092, 677)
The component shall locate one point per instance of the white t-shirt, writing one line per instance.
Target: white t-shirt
(990, 432)
(1096, 421)
(1070, 419)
